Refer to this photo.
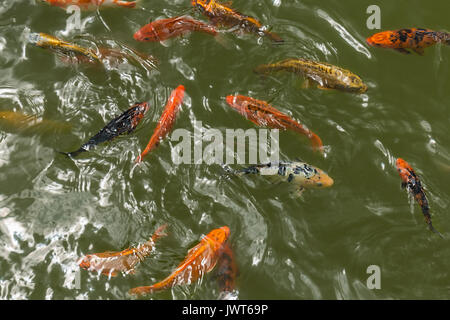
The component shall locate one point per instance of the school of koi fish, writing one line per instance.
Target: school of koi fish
(213, 251)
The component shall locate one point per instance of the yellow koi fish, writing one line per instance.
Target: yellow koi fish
(326, 75)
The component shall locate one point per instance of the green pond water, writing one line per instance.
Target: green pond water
(54, 210)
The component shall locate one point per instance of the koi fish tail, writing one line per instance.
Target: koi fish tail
(73, 154)
(428, 221)
(273, 36)
(150, 289)
(266, 68)
(435, 231)
(141, 290)
(159, 233)
(229, 172)
(316, 143)
(126, 4)
(444, 37)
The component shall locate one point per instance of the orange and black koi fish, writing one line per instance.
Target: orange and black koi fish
(413, 39)
(91, 4)
(226, 270)
(221, 14)
(125, 123)
(164, 29)
(166, 121)
(111, 263)
(200, 260)
(411, 181)
(263, 114)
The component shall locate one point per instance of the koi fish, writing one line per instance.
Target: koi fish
(263, 114)
(223, 15)
(413, 39)
(200, 260)
(60, 46)
(164, 29)
(91, 4)
(114, 57)
(110, 263)
(300, 175)
(226, 271)
(326, 75)
(166, 121)
(125, 123)
(411, 181)
(19, 121)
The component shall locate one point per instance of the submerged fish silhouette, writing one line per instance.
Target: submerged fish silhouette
(125, 123)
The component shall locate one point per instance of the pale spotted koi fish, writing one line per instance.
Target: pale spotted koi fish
(299, 175)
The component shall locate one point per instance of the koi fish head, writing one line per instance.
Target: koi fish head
(311, 177)
(404, 169)
(355, 84)
(85, 262)
(219, 236)
(138, 112)
(147, 33)
(238, 103)
(386, 39)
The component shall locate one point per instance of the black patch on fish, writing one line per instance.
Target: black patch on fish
(282, 170)
(290, 178)
(403, 36)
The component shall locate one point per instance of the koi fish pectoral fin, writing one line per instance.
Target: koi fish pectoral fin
(404, 185)
(298, 192)
(321, 87)
(401, 50)
(308, 83)
(419, 51)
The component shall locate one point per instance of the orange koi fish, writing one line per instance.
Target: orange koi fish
(164, 29)
(263, 114)
(166, 121)
(111, 263)
(223, 15)
(411, 181)
(413, 39)
(200, 259)
(227, 270)
(91, 4)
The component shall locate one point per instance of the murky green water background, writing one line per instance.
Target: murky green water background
(54, 210)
